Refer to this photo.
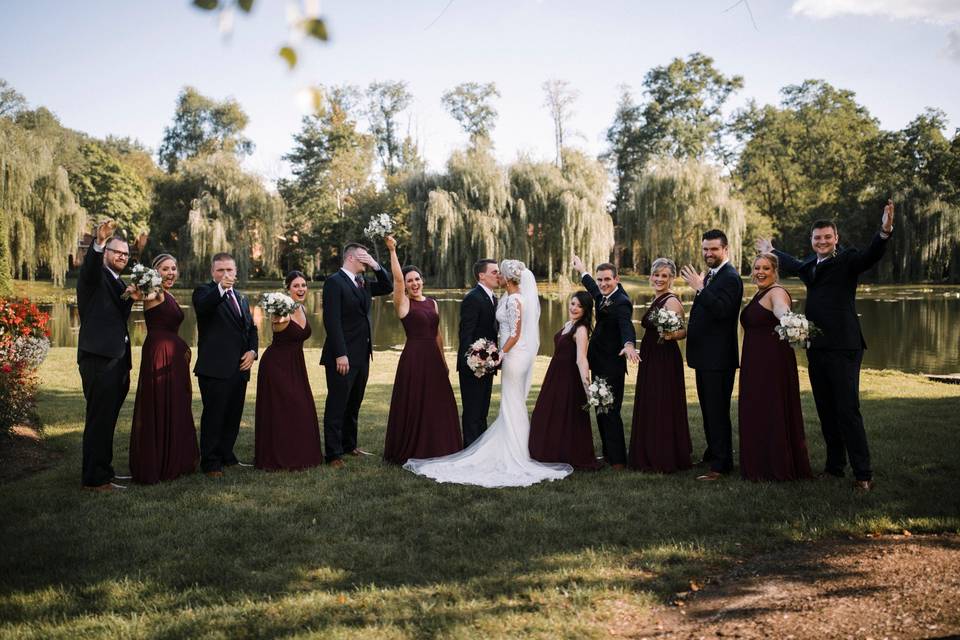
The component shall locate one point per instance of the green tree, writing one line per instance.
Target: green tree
(109, 188)
(470, 104)
(331, 164)
(386, 100)
(12, 101)
(202, 125)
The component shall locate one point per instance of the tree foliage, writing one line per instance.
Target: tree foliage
(202, 125)
(386, 100)
(471, 104)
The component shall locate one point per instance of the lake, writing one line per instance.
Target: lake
(910, 328)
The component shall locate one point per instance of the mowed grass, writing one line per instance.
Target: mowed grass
(371, 551)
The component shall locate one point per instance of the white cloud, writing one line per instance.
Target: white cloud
(939, 11)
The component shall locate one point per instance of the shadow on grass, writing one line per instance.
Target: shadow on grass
(370, 543)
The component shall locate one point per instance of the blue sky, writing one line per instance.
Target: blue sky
(115, 67)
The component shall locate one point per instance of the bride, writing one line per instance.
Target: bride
(500, 457)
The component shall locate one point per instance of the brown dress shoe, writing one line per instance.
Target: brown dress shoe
(337, 464)
(618, 467)
(710, 476)
(862, 486)
(360, 452)
(214, 474)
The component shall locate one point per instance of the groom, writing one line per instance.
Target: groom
(613, 337)
(478, 320)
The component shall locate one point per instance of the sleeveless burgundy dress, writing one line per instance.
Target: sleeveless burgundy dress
(772, 442)
(559, 427)
(286, 432)
(660, 438)
(423, 421)
(163, 438)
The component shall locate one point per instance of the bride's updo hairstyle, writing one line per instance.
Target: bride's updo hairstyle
(511, 270)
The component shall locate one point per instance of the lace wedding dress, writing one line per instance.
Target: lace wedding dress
(501, 457)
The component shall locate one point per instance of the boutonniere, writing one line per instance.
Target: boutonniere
(606, 302)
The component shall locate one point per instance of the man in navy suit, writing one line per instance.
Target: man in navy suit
(834, 356)
(478, 320)
(348, 347)
(712, 348)
(103, 352)
(611, 346)
(227, 345)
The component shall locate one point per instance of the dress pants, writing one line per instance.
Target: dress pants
(342, 410)
(610, 423)
(106, 382)
(714, 389)
(475, 396)
(835, 380)
(223, 400)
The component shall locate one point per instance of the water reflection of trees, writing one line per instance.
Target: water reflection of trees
(906, 328)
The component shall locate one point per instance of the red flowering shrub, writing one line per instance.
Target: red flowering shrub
(24, 342)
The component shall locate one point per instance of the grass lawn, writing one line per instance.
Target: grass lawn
(371, 551)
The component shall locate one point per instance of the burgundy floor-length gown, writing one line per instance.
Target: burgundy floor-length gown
(163, 438)
(286, 432)
(660, 438)
(559, 427)
(423, 421)
(772, 442)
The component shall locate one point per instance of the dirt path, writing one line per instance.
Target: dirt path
(884, 587)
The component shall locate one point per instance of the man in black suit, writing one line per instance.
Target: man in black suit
(611, 346)
(834, 356)
(478, 320)
(348, 347)
(712, 349)
(227, 345)
(103, 352)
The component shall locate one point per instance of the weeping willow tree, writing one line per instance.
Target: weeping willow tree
(926, 245)
(42, 219)
(466, 214)
(230, 211)
(674, 203)
(565, 210)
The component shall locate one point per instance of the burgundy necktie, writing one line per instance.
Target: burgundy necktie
(236, 305)
(359, 280)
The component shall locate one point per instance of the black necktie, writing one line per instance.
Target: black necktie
(493, 297)
(359, 279)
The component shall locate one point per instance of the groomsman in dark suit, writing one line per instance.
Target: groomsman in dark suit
(834, 356)
(103, 352)
(611, 346)
(227, 347)
(712, 349)
(348, 347)
(478, 320)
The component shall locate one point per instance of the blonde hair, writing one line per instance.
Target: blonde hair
(512, 270)
(660, 263)
(769, 257)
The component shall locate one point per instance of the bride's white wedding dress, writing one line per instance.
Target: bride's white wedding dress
(501, 456)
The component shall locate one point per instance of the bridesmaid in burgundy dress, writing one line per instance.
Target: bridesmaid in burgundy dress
(287, 432)
(163, 438)
(560, 427)
(423, 421)
(772, 443)
(660, 439)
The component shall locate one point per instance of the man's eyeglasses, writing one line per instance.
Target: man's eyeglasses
(123, 254)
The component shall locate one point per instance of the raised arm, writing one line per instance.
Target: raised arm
(401, 304)
(93, 260)
(206, 299)
(866, 259)
(582, 340)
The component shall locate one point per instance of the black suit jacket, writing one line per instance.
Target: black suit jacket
(712, 325)
(831, 292)
(346, 316)
(103, 315)
(222, 337)
(613, 328)
(478, 319)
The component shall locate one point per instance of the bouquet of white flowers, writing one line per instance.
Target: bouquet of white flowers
(380, 226)
(666, 321)
(483, 357)
(796, 330)
(278, 304)
(599, 396)
(145, 279)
